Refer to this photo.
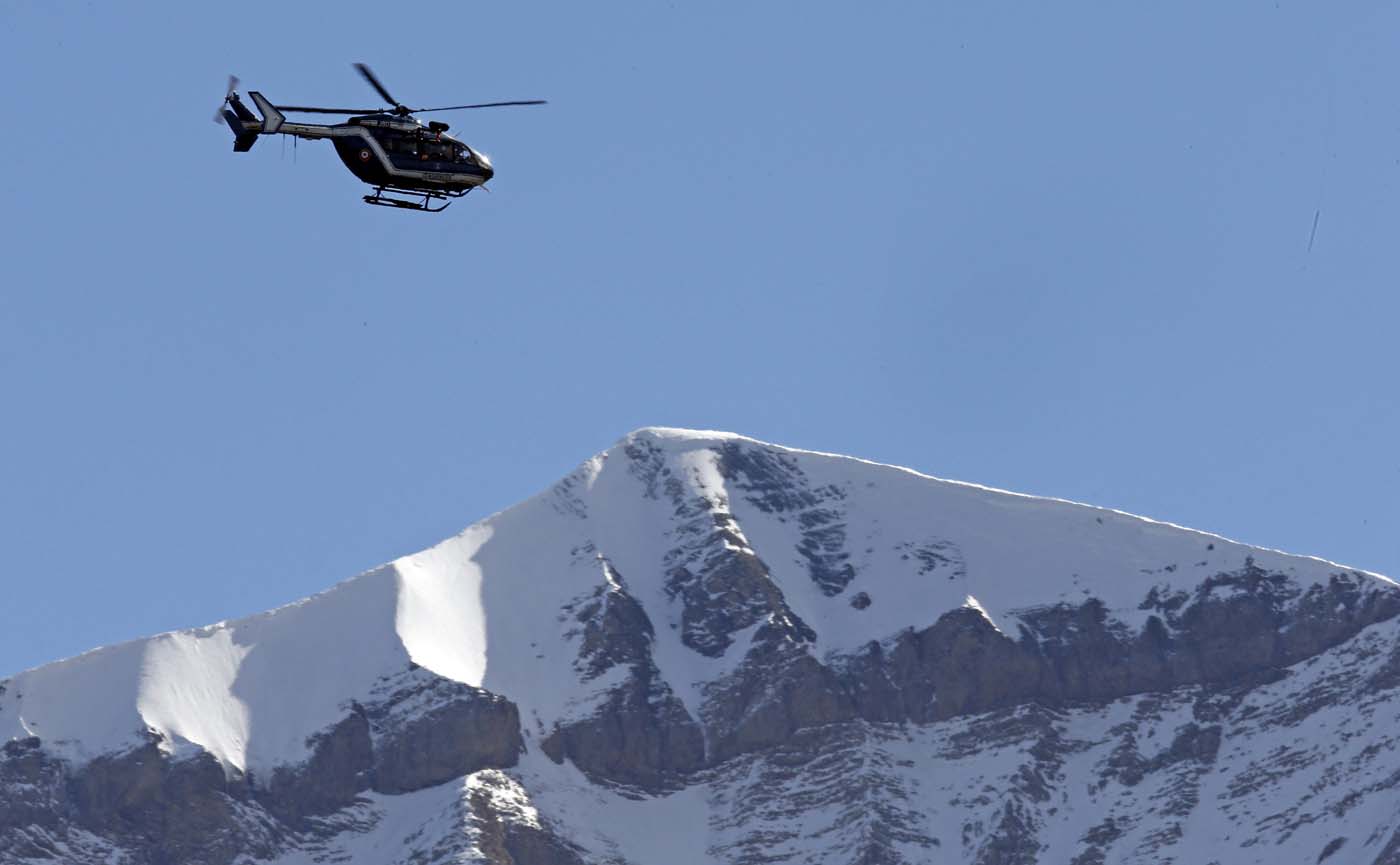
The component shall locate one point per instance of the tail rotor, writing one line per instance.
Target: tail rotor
(228, 96)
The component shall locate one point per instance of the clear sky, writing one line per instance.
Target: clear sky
(1064, 249)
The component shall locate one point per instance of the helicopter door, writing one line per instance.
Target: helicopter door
(402, 150)
(435, 152)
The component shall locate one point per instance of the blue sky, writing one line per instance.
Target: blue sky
(1060, 249)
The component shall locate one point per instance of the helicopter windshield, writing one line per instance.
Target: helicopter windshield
(460, 151)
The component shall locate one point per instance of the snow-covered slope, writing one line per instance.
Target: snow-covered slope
(681, 600)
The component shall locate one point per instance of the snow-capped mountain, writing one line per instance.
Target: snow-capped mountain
(699, 648)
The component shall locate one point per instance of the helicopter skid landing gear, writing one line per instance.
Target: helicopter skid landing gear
(425, 205)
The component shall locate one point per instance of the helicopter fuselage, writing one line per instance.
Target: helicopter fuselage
(384, 150)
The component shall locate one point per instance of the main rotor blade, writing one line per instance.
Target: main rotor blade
(306, 109)
(374, 82)
(480, 105)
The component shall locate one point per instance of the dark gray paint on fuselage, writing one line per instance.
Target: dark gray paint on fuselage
(367, 165)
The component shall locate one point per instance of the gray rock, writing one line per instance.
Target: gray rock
(641, 736)
(422, 731)
(778, 689)
(461, 730)
(336, 773)
(510, 842)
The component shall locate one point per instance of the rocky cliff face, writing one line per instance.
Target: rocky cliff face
(703, 649)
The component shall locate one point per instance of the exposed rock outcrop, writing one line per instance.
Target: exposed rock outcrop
(164, 808)
(641, 736)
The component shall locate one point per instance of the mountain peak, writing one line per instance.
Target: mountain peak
(684, 598)
(680, 434)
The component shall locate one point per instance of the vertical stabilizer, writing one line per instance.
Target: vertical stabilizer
(243, 137)
(272, 118)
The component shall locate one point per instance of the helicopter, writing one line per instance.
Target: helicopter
(388, 148)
